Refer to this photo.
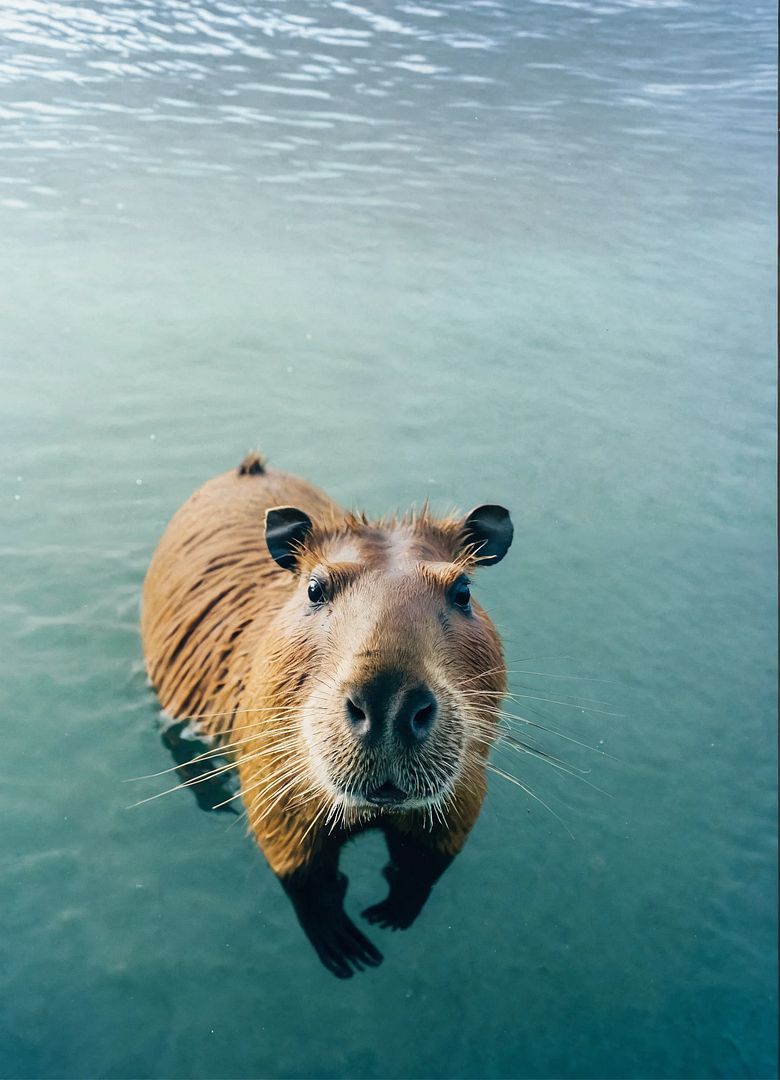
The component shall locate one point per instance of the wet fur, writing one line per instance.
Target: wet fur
(221, 645)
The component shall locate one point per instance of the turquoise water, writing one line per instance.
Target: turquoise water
(481, 251)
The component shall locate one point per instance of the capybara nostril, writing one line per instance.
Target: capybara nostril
(357, 718)
(422, 721)
(416, 715)
(370, 705)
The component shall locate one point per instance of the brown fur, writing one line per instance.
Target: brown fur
(225, 641)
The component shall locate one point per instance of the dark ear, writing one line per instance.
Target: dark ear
(285, 529)
(489, 529)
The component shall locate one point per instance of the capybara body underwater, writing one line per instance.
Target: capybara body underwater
(346, 671)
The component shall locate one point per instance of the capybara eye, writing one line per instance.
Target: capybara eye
(316, 592)
(461, 594)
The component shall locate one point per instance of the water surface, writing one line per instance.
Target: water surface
(476, 251)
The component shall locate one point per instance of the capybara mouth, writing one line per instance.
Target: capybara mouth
(386, 795)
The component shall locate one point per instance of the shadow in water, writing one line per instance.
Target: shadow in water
(203, 771)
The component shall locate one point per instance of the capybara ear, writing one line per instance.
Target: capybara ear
(286, 529)
(488, 531)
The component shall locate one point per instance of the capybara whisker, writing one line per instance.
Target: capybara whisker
(214, 715)
(186, 784)
(556, 763)
(511, 718)
(523, 747)
(567, 704)
(208, 776)
(514, 780)
(572, 700)
(220, 751)
(557, 675)
(550, 701)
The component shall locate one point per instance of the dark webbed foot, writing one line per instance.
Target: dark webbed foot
(403, 903)
(318, 900)
(342, 948)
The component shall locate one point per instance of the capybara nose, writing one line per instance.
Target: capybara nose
(383, 704)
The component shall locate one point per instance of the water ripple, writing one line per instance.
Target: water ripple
(90, 80)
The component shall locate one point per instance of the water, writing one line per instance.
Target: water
(480, 251)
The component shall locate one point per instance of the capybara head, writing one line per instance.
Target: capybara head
(399, 672)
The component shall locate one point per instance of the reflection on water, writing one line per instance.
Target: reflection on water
(482, 251)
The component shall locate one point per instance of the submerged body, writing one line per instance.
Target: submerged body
(345, 668)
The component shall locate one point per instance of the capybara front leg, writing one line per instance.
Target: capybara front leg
(413, 870)
(317, 894)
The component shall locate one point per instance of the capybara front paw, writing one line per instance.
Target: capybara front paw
(391, 915)
(397, 911)
(402, 904)
(383, 914)
(343, 949)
